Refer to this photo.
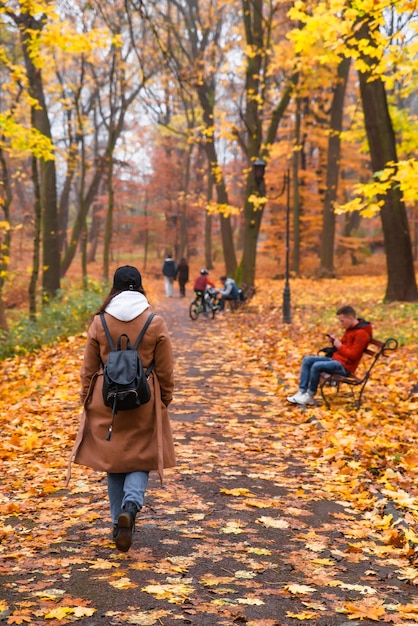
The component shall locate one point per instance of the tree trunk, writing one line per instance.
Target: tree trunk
(207, 103)
(84, 240)
(333, 169)
(257, 33)
(48, 187)
(251, 229)
(401, 280)
(254, 35)
(183, 243)
(109, 218)
(94, 234)
(252, 217)
(208, 228)
(81, 199)
(225, 222)
(79, 220)
(36, 241)
(6, 235)
(297, 208)
(146, 233)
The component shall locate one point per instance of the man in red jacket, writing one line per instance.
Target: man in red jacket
(345, 359)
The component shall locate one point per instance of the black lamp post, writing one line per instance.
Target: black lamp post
(287, 318)
(259, 166)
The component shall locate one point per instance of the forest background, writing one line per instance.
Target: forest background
(139, 126)
(132, 129)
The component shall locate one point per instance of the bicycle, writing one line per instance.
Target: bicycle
(211, 299)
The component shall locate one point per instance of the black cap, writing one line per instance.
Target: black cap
(127, 278)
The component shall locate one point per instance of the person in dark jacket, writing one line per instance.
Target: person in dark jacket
(169, 273)
(182, 275)
(345, 359)
(141, 437)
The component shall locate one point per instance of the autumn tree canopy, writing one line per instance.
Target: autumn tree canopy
(144, 120)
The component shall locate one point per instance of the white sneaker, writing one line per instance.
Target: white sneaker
(302, 398)
(308, 399)
(298, 398)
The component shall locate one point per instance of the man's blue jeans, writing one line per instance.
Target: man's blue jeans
(123, 488)
(312, 366)
(226, 299)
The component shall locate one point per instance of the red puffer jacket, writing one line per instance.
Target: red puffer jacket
(202, 282)
(354, 342)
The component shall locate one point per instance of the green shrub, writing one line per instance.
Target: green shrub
(65, 315)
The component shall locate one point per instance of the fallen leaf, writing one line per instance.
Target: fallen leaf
(270, 522)
(299, 589)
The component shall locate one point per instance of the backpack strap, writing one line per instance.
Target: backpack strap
(109, 338)
(143, 331)
(138, 341)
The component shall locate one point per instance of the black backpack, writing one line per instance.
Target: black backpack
(125, 384)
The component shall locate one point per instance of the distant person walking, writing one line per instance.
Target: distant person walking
(141, 437)
(169, 273)
(182, 275)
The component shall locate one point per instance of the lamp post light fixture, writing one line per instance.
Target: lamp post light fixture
(259, 166)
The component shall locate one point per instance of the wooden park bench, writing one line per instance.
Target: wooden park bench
(375, 350)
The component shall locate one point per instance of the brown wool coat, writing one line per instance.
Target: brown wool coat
(141, 438)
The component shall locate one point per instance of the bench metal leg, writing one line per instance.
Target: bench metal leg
(325, 399)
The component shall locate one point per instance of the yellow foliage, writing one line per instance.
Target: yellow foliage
(26, 139)
(404, 174)
(223, 209)
(258, 202)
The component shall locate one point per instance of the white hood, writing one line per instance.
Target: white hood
(127, 305)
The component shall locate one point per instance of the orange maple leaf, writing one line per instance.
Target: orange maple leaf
(19, 617)
(364, 611)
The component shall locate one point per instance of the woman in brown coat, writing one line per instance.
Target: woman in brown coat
(141, 438)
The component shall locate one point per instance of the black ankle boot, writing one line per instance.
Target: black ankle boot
(126, 524)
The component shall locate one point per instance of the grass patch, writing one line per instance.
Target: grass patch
(65, 315)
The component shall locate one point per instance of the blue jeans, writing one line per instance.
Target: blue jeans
(122, 488)
(312, 366)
